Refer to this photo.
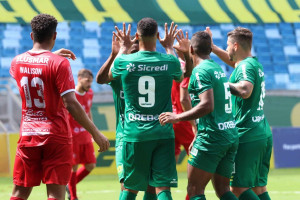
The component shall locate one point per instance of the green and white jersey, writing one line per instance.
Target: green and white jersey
(147, 80)
(118, 97)
(249, 113)
(218, 127)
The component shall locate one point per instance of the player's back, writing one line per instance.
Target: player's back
(147, 80)
(43, 78)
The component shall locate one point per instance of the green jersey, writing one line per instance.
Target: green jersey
(249, 113)
(218, 127)
(118, 97)
(147, 81)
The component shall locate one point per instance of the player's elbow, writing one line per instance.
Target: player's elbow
(245, 95)
(208, 107)
(184, 100)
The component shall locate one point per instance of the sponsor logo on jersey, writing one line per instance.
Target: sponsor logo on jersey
(219, 75)
(193, 152)
(258, 118)
(174, 181)
(78, 129)
(145, 68)
(33, 60)
(260, 73)
(142, 117)
(226, 125)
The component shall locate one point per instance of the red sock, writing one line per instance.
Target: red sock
(52, 199)
(72, 186)
(16, 198)
(187, 197)
(81, 173)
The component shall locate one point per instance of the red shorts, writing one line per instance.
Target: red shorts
(51, 163)
(83, 153)
(183, 136)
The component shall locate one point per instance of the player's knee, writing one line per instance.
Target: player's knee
(221, 190)
(259, 190)
(90, 167)
(237, 191)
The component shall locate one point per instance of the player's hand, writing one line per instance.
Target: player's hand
(192, 143)
(124, 38)
(207, 30)
(168, 41)
(101, 141)
(65, 53)
(115, 45)
(168, 117)
(183, 44)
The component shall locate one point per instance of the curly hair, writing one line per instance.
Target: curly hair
(147, 27)
(43, 27)
(241, 35)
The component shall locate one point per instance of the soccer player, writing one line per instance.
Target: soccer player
(46, 86)
(118, 96)
(214, 149)
(83, 149)
(247, 84)
(148, 148)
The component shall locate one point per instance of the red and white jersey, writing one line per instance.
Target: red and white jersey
(42, 78)
(175, 95)
(80, 135)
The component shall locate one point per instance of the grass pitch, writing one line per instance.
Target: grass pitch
(284, 184)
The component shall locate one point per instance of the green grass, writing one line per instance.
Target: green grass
(283, 185)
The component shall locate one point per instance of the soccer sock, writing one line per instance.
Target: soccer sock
(164, 195)
(248, 195)
(228, 196)
(72, 186)
(264, 196)
(120, 196)
(52, 199)
(149, 196)
(16, 198)
(81, 173)
(198, 197)
(126, 195)
(187, 197)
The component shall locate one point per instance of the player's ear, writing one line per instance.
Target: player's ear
(137, 36)
(192, 50)
(31, 35)
(54, 36)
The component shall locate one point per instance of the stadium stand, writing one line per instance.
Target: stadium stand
(275, 45)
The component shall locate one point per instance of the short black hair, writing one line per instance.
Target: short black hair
(201, 43)
(147, 27)
(241, 35)
(43, 27)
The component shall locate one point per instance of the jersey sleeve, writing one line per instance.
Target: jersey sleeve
(12, 69)
(64, 78)
(202, 81)
(246, 72)
(177, 70)
(116, 70)
(185, 82)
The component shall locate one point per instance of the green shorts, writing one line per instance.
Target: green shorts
(252, 163)
(149, 162)
(119, 161)
(215, 160)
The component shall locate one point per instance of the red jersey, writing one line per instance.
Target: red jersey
(175, 95)
(80, 135)
(42, 78)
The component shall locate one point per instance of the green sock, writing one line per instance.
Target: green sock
(264, 196)
(198, 197)
(164, 195)
(120, 196)
(126, 195)
(228, 196)
(248, 195)
(149, 196)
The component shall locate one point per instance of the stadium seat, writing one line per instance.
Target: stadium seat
(290, 50)
(10, 43)
(12, 34)
(92, 27)
(294, 68)
(282, 78)
(62, 26)
(14, 27)
(91, 43)
(272, 33)
(5, 62)
(293, 58)
(91, 52)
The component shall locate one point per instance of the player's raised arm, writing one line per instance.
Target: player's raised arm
(222, 54)
(77, 112)
(65, 53)
(102, 75)
(205, 107)
(168, 41)
(183, 46)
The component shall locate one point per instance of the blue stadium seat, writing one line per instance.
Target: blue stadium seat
(293, 58)
(280, 68)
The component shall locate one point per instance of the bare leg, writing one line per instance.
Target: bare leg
(21, 192)
(56, 191)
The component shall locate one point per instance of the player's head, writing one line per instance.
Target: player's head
(201, 44)
(238, 39)
(85, 79)
(147, 30)
(135, 47)
(44, 29)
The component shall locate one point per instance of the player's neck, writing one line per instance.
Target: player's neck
(79, 89)
(197, 60)
(41, 46)
(242, 56)
(147, 46)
